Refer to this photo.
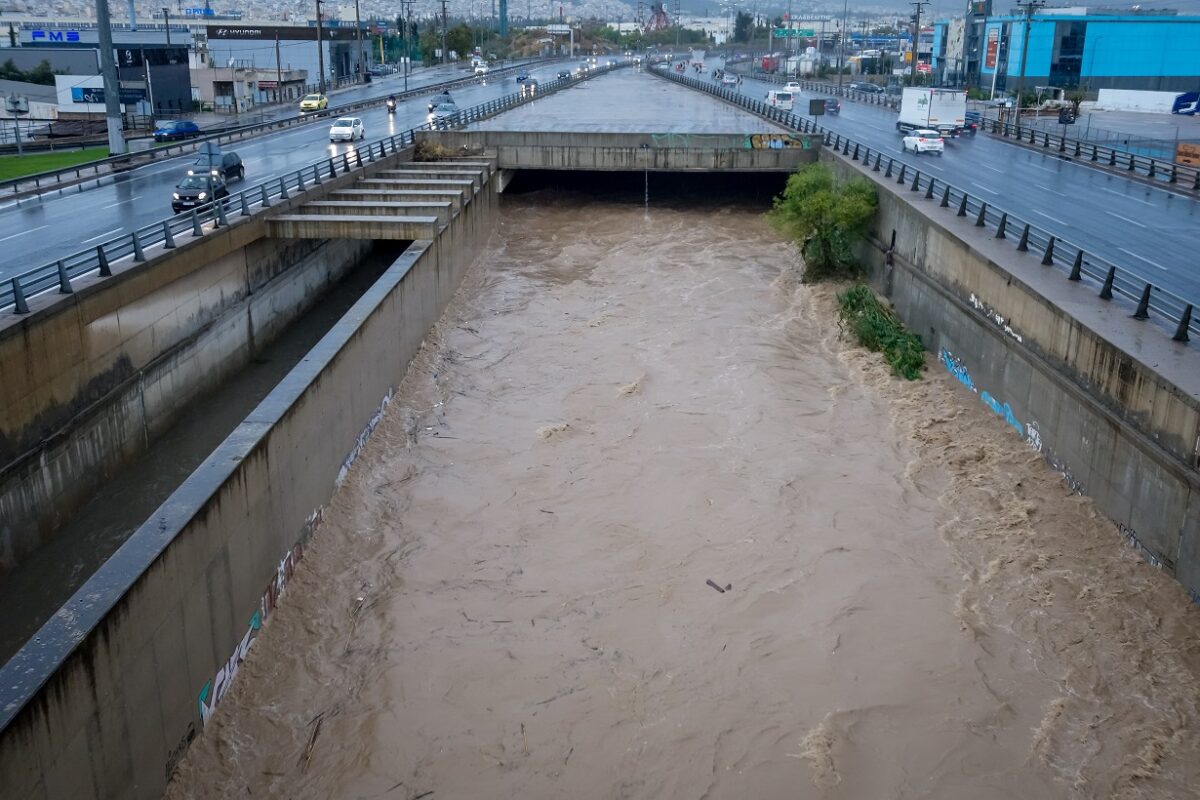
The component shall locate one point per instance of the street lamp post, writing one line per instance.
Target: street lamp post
(320, 53)
(362, 56)
(167, 23)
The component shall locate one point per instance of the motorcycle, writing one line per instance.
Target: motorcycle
(391, 105)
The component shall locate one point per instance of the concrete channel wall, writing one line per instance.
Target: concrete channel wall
(86, 380)
(619, 152)
(162, 350)
(1110, 402)
(104, 702)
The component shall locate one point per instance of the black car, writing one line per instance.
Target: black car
(832, 105)
(228, 165)
(564, 74)
(196, 191)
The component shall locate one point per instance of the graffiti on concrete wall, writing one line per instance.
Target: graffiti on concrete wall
(995, 316)
(363, 436)
(1030, 432)
(214, 690)
(682, 140)
(777, 141)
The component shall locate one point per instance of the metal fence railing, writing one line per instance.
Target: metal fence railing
(58, 275)
(104, 168)
(1137, 161)
(1079, 264)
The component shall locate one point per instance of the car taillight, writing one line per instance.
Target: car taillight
(921, 139)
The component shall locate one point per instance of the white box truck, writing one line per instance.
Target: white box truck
(942, 110)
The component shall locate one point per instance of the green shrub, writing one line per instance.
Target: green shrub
(825, 219)
(879, 330)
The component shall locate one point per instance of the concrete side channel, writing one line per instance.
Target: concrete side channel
(106, 697)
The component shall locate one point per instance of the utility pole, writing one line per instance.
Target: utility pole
(362, 56)
(1029, 7)
(320, 54)
(112, 87)
(916, 42)
(278, 69)
(845, 32)
(167, 23)
(445, 23)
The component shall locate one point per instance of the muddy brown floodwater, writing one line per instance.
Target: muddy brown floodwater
(509, 596)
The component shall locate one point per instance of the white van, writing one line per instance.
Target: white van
(780, 99)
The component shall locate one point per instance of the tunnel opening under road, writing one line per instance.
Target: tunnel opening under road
(88, 535)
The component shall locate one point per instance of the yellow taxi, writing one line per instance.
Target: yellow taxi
(314, 102)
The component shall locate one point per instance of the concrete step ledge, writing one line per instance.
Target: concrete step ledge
(388, 196)
(442, 210)
(360, 226)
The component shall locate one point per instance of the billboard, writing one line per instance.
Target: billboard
(293, 33)
(993, 48)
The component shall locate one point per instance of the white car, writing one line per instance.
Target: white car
(791, 86)
(346, 129)
(481, 69)
(924, 141)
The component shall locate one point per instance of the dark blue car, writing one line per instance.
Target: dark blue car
(176, 129)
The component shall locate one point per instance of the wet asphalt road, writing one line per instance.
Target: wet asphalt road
(39, 230)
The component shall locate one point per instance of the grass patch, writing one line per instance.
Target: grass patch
(879, 330)
(20, 166)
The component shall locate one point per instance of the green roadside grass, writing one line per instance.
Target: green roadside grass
(20, 166)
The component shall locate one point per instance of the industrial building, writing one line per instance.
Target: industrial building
(1072, 48)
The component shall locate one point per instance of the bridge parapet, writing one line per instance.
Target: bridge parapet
(658, 152)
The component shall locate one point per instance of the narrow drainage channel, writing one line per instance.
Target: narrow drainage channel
(48, 578)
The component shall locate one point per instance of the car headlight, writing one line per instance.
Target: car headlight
(175, 195)
(215, 172)
(191, 172)
(202, 195)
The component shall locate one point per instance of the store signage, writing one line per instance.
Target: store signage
(284, 33)
(55, 36)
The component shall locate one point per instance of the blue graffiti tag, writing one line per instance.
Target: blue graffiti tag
(1004, 411)
(957, 368)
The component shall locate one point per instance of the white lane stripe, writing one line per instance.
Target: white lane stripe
(22, 233)
(1044, 169)
(103, 235)
(993, 169)
(1127, 197)
(1127, 219)
(984, 188)
(1047, 216)
(1143, 258)
(123, 202)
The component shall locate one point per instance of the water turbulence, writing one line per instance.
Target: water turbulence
(639, 524)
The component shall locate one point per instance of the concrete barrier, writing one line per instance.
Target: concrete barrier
(106, 699)
(672, 152)
(1115, 411)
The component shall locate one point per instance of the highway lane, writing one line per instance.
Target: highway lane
(1134, 225)
(38, 231)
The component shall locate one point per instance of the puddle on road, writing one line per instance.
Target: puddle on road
(508, 596)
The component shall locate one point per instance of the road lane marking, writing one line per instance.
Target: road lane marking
(1047, 216)
(22, 233)
(1044, 169)
(1143, 258)
(101, 236)
(993, 169)
(1127, 197)
(1127, 219)
(984, 188)
(123, 202)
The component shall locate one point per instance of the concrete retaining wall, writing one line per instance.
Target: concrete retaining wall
(105, 701)
(1109, 401)
(152, 356)
(87, 378)
(618, 152)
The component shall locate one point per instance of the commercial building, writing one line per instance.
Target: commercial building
(1071, 48)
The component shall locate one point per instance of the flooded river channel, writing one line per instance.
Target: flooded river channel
(639, 524)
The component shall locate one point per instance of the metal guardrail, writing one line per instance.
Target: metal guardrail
(1181, 176)
(54, 178)
(1079, 264)
(59, 274)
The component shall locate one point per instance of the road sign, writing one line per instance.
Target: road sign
(83, 94)
(794, 33)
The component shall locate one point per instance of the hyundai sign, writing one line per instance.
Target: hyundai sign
(55, 36)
